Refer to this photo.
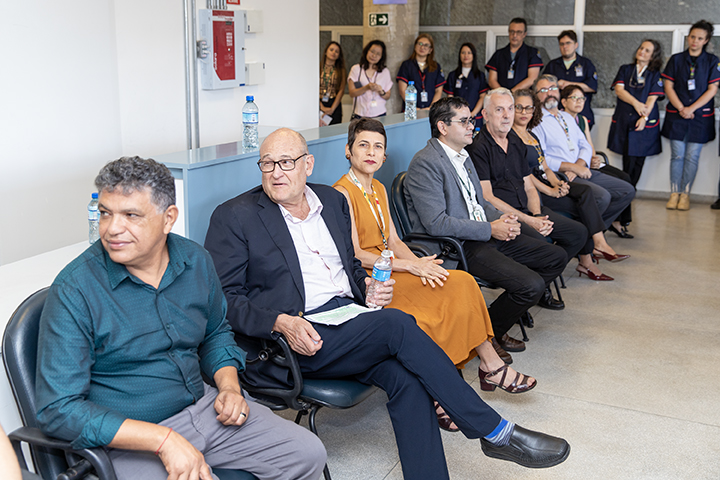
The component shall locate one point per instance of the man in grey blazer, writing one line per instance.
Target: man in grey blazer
(444, 198)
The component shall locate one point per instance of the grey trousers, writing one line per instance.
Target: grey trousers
(266, 445)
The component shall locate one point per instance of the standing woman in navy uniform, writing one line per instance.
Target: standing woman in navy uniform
(516, 65)
(422, 68)
(468, 82)
(635, 132)
(691, 81)
(332, 82)
(573, 69)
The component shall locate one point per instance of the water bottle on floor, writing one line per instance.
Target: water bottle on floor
(381, 273)
(411, 101)
(93, 220)
(250, 123)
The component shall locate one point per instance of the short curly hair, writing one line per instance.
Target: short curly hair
(134, 174)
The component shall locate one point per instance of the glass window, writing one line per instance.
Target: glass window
(341, 12)
(492, 12)
(644, 12)
(447, 47)
(610, 50)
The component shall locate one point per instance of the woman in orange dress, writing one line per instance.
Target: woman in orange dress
(447, 305)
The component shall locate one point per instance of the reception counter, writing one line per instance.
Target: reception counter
(208, 176)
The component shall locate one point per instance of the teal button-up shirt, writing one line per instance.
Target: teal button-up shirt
(112, 347)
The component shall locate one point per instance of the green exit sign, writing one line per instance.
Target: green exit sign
(379, 19)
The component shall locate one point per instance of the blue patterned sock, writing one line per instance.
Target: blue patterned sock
(501, 435)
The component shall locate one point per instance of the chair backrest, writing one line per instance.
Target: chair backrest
(399, 206)
(19, 352)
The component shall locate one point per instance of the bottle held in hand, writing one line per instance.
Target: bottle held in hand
(381, 273)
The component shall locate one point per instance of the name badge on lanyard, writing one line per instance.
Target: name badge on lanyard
(578, 71)
(458, 83)
(571, 146)
(691, 84)
(325, 98)
(373, 103)
(423, 96)
(641, 80)
(511, 74)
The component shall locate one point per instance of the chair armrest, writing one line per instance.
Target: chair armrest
(280, 353)
(418, 249)
(97, 457)
(605, 157)
(449, 247)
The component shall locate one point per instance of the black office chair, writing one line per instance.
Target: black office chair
(52, 458)
(450, 247)
(307, 395)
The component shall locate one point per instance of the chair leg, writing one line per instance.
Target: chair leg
(557, 290)
(299, 416)
(313, 428)
(562, 281)
(522, 329)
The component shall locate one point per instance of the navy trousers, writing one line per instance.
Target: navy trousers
(386, 348)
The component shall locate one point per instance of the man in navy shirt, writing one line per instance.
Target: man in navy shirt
(573, 69)
(517, 65)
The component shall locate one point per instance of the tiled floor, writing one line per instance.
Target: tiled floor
(628, 372)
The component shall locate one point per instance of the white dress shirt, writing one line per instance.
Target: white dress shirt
(322, 270)
(468, 189)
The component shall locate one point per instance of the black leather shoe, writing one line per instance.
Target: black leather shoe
(716, 205)
(529, 449)
(622, 233)
(549, 302)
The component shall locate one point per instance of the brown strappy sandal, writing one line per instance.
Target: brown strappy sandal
(519, 384)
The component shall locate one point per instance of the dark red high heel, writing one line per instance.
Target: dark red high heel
(598, 278)
(519, 385)
(608, 256)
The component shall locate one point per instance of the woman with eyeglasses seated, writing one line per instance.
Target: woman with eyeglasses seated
(422, 69)
(468, 81)
(573, 100)
(558, 194)
(370, 82)
(635, 129)
(332, 84)
(447, 305)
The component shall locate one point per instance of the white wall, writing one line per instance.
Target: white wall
(85, 81)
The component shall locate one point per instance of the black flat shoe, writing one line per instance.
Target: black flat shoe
(622, 233)
(716, 205)
(529, 449)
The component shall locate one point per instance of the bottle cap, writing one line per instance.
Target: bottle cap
(94, 195)
(250, 98)
(387, 253)
(411, 82)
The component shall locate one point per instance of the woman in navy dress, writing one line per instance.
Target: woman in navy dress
(691, 82)
(635, 129)
(468, 81)
(427, 74)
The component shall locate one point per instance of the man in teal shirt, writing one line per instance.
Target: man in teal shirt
(127, 332)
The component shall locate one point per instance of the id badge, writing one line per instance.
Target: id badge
(373, 103)
(325, 98)
(691, 84)
(571, 146)
(423, 96)
(458, 83)
(579, 71)
(511, 74)
(641, 80)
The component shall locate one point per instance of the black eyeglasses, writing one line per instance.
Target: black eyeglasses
(527, 109)
(268, 166)
(465, 122)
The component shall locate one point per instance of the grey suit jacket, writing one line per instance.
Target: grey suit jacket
(435, 201)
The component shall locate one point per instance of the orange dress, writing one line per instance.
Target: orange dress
(454, 316)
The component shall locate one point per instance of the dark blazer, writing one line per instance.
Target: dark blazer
(259, 269)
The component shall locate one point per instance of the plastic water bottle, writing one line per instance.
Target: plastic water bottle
(381, 273)
(93, 220)
(250, 123)
(411, 101)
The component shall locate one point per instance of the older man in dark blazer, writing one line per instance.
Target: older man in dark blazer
(444, 198)
(284, 251)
